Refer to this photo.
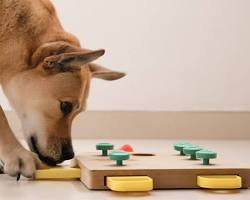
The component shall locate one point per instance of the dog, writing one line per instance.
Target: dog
(46, 75)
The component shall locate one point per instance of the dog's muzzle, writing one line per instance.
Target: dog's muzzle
(67, 153)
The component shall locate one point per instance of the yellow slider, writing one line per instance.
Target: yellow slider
(58, 173)
(130, 183)
(219, 181)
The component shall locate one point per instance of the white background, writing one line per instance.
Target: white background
(178, 54)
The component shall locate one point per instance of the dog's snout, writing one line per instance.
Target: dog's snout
(67, 152)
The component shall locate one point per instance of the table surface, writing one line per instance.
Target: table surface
(67, 190)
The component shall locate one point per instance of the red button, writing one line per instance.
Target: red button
(127, 148)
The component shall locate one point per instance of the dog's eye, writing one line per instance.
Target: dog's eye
(66, 107)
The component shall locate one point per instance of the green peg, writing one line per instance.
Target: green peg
(180, 146)
(104, 147)
(206, 155)
(119, 156)
(191, 150)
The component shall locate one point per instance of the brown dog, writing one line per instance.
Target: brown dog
(46, 76)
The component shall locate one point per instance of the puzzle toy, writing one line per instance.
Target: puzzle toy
(121, 170)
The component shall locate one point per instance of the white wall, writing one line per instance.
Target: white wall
(179, 54)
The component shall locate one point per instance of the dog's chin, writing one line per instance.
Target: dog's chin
(48, 160)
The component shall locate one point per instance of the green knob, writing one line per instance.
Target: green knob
(206, 155)
(191, 150)
(180, 146)
(119, 156)
(104, 147)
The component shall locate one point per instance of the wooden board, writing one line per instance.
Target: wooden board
(168, 170)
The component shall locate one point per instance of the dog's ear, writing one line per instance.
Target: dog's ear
(51, 49)
(104, 73)
(69, 62)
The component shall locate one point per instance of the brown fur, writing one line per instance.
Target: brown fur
(41, 65)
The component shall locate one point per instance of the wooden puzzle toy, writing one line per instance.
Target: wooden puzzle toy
(147, 171)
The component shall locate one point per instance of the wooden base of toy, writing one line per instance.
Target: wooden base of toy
(168, 171)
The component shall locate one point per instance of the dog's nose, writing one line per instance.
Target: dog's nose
(67, 152)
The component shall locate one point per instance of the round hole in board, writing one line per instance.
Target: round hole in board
(143, 154)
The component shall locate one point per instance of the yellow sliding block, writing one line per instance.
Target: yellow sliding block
(58, 173)
(130, 183)
(219, 181)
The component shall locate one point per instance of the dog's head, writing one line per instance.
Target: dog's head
(49, 95)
